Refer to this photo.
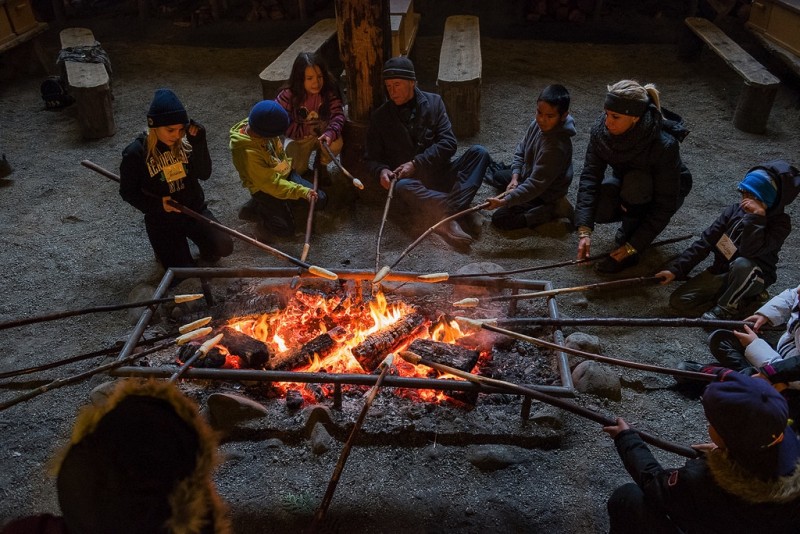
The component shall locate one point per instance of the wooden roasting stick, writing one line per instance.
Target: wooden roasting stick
(381, 274)
(356, 182)
(313, 269)
(65, 381)
(446, 276)
(472, 302)
(478, 324)
(668, 322)
(415, 359)
(384, 366)
(392, 182)
(95, 309)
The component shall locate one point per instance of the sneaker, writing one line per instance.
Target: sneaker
(609, 265)
(718, 313)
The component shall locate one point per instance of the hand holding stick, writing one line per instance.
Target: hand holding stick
(415, 359)
(381, 274)
(313, 269)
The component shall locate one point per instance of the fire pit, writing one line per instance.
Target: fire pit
(324, 338)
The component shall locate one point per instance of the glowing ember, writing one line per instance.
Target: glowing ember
(349, 321)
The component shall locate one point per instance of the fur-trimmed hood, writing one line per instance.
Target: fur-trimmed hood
(141, 462)
(736, 481)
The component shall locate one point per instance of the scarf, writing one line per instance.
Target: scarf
(623, 148)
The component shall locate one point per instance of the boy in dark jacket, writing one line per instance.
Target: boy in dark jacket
(749, 482)
(745, 240)
(541, 172)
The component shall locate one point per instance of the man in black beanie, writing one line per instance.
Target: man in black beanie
(410, 140)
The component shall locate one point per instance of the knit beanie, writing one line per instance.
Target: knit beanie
(268, 119)
(752, 418)
(166, 110)
(759, 183)
(399, 67)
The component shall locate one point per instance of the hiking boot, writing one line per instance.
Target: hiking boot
(472, 223)
(452, 233)
(727, 349)
(718, 313)
(609, 265)
(249, 211)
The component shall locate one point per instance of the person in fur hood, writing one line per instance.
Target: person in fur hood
(745, 240)
(139, 463)
(747, 481)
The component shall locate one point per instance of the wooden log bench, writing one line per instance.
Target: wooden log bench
(760, 86)
(318, 39)
(459, 80)
(90, 85)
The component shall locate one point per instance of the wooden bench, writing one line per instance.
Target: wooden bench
(404, 24)
(760, 86)
(320, 38)
(90, 85)
(459, 80)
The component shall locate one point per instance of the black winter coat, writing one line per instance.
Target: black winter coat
(697, 503)
(757, 237)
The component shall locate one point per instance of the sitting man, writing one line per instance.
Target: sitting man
(410, 140)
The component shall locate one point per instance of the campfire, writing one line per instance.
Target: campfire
(323, 335)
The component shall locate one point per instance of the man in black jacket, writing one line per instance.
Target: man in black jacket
(410, 140)
(749, 482)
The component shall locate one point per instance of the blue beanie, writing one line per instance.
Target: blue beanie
(268, 119)
(166, 110)
(759, 183)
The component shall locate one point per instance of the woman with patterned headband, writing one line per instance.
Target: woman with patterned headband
(647, 182)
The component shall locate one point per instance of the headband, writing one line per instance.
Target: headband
(625, 106)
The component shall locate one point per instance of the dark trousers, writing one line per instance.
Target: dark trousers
(527, 215)
(276, 214)
(744, 280)
(168, 234)
(441, 196)
(629, 513)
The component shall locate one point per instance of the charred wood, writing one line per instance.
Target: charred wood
(374, 348)
(446, 353)
(322, 345)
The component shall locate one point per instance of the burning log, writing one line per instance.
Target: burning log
(372, 350)
(322, 345)
(446, 353)
(254, 353)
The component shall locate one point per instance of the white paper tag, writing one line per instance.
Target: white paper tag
(726, 246)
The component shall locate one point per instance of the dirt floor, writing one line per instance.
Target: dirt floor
(68, 241)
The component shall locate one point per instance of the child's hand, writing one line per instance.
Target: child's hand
(746, 337)
(758, 320)
(312, 195)
(665, 276)
(168, 207)
(584, 247)
(513, 183)
(193, 128)
(751, 205)
(495, 203)
(613, 430)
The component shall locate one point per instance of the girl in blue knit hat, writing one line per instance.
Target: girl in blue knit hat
(166, 163)
(745, 241)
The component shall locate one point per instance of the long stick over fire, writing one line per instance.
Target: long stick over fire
(416, 359)
(74, 379)
(381, 274)
(356, 182)
(478, 324)
(95, 309)
(392, 182)
(637, 322)
(385, 365)
(313, 269)
(562, 263)
(310, 220)
(472, 302)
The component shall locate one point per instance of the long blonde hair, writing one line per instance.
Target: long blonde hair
(635, 91)
(184, 148)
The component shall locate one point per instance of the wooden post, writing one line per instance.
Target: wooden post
(364, 44)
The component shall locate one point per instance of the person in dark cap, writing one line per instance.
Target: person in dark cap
(747, 481)
(410, 140)
(266, 171)
(745, 240)
(140, 462)
(167, 163)
(648, 182)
